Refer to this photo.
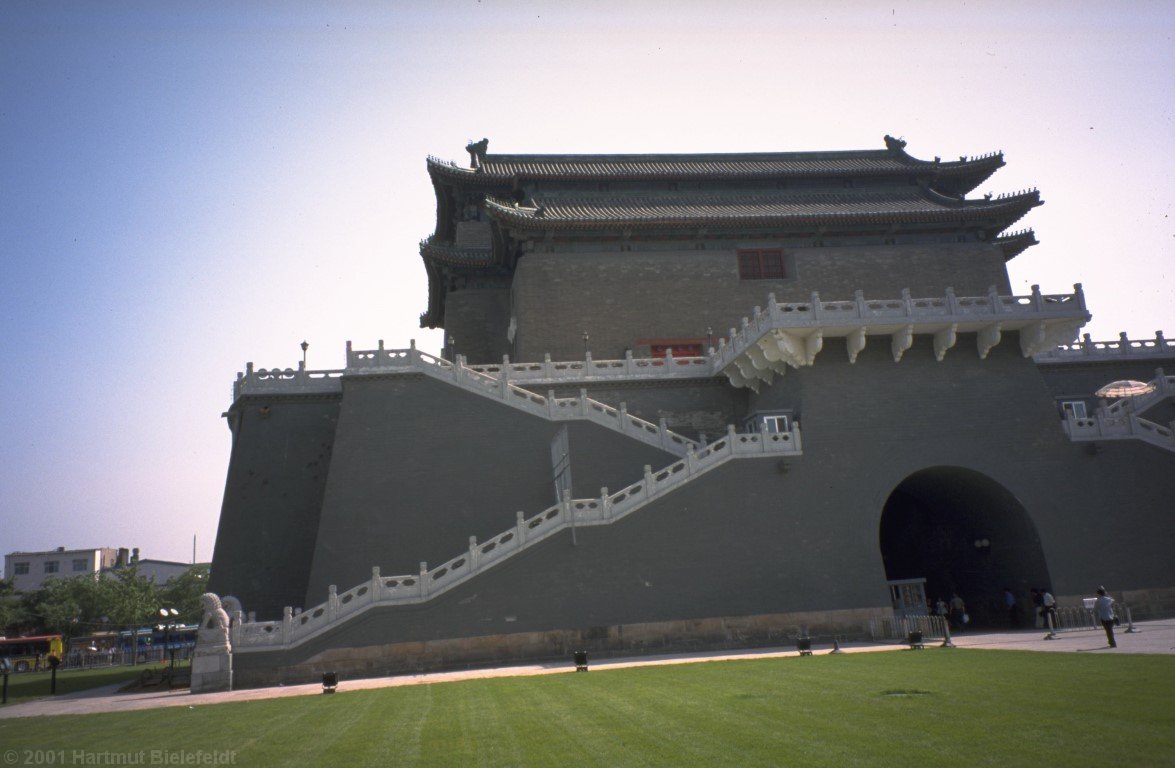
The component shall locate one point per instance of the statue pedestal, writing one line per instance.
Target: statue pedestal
(212, 672)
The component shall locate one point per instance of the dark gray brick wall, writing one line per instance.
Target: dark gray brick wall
(478, 319)
(619, 297)
(272, 498)
(751, 539)
(420, 466)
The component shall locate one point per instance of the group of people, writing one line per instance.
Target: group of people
(1044, 606)
(954, 611)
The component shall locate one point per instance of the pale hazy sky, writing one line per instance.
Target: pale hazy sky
(187, 186)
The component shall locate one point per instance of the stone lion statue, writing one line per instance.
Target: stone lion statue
(213, 634)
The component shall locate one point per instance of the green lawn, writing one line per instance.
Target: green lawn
(34, 685)
(931, 708)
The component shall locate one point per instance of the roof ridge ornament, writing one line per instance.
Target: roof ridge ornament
(894, 145)
(477, 152)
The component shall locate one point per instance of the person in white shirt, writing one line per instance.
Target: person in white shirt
(1049, 608)
(1103, 608)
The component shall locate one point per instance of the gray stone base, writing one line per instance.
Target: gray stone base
(212, 673)
(262, 668)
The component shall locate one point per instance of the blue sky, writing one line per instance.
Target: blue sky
(187, 186)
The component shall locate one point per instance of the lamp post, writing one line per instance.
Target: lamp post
(169, 616)
(586, 339)
(305, 346)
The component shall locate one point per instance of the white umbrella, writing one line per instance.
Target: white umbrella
(1125, 388)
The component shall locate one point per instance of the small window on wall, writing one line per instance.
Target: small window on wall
(1073, 409)
(772, 423)
(80, 564)
(20, 569)
(775, 424)
(51, 566)
(761, 264)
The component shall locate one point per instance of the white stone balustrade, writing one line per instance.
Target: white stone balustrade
(382, 361)
(287, 381)
(294, 629)
(1088, 350)
(589, 370)
(798, 330)
(791, 335)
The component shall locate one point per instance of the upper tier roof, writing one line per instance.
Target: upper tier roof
(957, 176)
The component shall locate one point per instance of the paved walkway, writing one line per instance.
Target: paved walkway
(1156, 637)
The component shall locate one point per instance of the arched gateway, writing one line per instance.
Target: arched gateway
(963, 532)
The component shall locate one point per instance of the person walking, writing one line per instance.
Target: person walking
(1048, 609)
(958, 611)
(1103, 608)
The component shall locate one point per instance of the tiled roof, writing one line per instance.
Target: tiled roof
(570, 210)
(447, 253)
(497, 169)
(1015, 243)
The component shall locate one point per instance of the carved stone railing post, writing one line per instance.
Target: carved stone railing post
(287, 625)
(583, 402)
(1037, 299)
(422, 582)
(605, 504)
(907, 302)
(332, 603)
(622, 416)
(473, 553)
(548, 369)
(520, 528)
(629, 368)
(551, 403)
(952, 301)
(817, 309)
(993, 298)
(691, 462)
(377, 585)
(859, 298)
(648, 480)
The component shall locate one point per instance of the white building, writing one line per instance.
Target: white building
(27, 571)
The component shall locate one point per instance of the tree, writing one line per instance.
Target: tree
(131, 599)
(13, 614)
(183, 593)
(67, 605)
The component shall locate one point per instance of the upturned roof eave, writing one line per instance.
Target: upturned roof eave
(1007, 211)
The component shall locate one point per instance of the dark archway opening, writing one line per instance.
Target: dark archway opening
(967, 534)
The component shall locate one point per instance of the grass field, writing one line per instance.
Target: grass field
(932, 708)
(34, 685)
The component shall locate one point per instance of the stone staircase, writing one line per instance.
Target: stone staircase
(1120, 420)
(477, 380)
(294, 629)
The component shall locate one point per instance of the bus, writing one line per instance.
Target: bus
(29, 654)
